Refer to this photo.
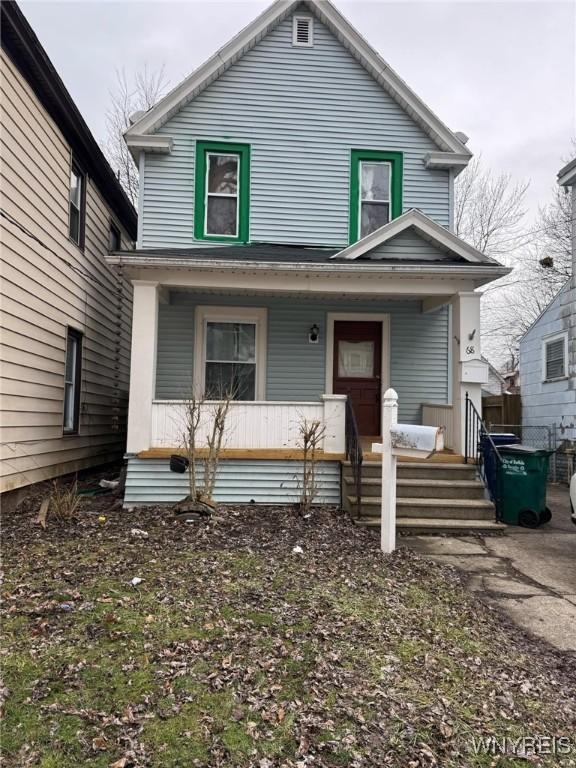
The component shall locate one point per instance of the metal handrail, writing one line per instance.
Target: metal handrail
(474, 430)
(354, 451)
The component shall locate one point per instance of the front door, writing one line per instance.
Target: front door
(357, 368)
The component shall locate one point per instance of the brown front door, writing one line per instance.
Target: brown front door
(357, 367)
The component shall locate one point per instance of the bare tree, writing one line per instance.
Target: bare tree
(311, 437)
(130, 96)
(551, 252)
(489, 209)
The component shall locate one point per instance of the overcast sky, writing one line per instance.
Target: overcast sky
(502, 72)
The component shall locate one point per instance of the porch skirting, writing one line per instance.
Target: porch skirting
(150, 481)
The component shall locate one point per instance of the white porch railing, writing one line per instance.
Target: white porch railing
(254, 425)
(440, 415)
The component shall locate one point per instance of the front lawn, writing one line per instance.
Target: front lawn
(235, 651)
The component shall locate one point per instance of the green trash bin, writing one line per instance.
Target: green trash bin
(522, 477)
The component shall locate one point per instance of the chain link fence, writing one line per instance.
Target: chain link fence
(561, 462)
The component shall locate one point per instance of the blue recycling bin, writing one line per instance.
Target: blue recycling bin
(488, 458)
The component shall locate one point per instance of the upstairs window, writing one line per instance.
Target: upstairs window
(303, 31)
(375, 191)
(555, 357)
(72, 381)
(114, 238)
(221, 210)
(76, 205)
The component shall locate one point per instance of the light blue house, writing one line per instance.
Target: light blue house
(295, 243)
(548, 358)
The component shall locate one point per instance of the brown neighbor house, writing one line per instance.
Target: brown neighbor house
(65, 315)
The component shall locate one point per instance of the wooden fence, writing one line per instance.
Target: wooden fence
(502, 409)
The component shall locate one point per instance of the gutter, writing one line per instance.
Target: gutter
(413, 270)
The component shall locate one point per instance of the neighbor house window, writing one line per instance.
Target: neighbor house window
(76, 205)
(555, 357)
(115, 242)
(230, 353)
(375, 190)
(222, 191)
(72, 381)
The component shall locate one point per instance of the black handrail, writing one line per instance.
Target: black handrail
(354, 451)
(475, 430)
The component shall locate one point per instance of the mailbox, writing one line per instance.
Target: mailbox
(414, 441)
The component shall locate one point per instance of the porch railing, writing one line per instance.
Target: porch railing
(475, 433)
(354, 451)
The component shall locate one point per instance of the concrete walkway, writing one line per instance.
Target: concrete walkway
(528, 574)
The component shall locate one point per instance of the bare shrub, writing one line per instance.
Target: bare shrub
(311, 438)
(208, 457)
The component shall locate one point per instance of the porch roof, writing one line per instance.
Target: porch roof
(278, 254)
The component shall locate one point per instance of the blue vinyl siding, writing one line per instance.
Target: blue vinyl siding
(149, 481)
(302, 110)
(296, 368)
(410, 246)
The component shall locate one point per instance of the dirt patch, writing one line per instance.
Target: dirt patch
(255, 639)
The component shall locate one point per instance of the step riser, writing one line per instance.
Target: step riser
(440, 527)
(433, 513)
(443, 473)
(409, 492)
(370, 471)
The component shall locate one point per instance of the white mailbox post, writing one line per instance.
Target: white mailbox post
(399, 440)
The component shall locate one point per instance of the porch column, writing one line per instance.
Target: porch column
(335, 423)
(469, 371)
(142, 365)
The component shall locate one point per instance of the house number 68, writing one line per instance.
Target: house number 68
(470, 350)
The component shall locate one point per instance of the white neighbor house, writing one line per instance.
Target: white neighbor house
(548, 354)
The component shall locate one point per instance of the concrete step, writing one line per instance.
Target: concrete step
(431, 508)
(445, 525)
(409, 488)
(417, 470)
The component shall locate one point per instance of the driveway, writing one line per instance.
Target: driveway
(529, 574)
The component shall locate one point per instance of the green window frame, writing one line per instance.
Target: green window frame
(395, 161)
(203, 151)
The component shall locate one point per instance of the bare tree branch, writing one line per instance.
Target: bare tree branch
(140, 94)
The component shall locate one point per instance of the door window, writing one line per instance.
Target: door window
(355, 359)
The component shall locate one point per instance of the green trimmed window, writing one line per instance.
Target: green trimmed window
(222, 192)
(375, 190)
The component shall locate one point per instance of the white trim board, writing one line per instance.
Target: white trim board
(379, 69)
(369, 317)
(425, 227)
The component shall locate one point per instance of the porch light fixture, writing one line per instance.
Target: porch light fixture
(313, 334)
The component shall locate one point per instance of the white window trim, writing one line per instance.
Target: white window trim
(208, 194)
(258, 316)
(301, 17)
(545, 341)
(360, 201)
(331, 318)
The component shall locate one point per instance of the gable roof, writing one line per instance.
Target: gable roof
(426, 228)
(27, 53)
(380, 70)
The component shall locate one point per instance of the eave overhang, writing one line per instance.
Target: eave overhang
(567, 174)
(133, 266)
(156, 143)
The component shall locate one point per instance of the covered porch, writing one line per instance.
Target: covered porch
(296, 343)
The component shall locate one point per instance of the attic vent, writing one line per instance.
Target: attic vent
(303, 31)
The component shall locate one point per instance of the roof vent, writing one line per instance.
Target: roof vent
(303, 31)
